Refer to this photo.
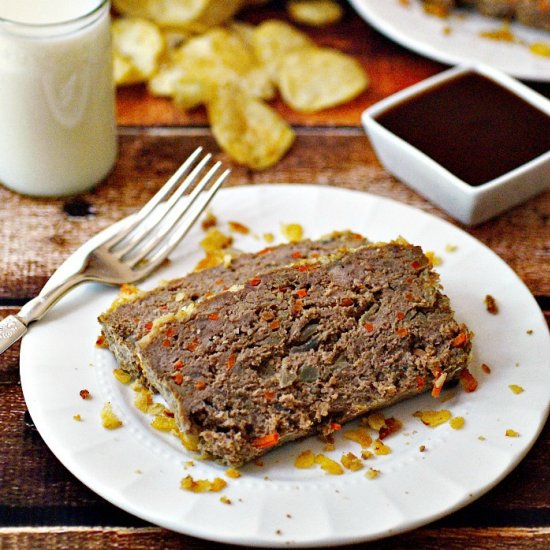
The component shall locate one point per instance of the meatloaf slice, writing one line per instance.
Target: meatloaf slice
(133, 313)
(296, 349)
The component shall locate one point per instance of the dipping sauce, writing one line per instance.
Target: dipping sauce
(471, 126)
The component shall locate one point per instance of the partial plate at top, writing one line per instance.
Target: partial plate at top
(456, 39)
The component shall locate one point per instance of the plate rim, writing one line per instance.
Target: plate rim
(385, 26)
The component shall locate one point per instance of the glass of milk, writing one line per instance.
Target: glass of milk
(57, 122)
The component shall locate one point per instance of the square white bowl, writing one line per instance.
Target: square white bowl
(469, 204)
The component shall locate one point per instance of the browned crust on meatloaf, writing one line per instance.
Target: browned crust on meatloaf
(130, 318)
(301, 347)
(534, 13)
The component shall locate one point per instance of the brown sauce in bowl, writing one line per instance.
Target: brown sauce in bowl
(472, 126)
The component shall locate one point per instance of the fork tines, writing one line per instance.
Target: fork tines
(160, 225)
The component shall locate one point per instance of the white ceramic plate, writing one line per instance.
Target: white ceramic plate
(139, 469)
(411, 27)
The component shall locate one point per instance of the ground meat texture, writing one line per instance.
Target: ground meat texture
(125, 324)
(305, 347)
(535, 13)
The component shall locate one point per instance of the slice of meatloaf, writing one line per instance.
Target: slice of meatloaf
(132, 315)
(296, 349)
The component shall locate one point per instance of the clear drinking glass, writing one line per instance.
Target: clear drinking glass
(57, 121)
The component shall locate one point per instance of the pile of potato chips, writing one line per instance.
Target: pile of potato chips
(193, 52)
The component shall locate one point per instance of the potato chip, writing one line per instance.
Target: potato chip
(217, 12)
(222, 45)
(250, 131)
(245, 31)
(191, 92)
(192, 87)
(216, 58)
(273, 39)
(123, 70)
(163, 82)
(175, 13)
(137, 44)
(175, 37)
(311, 79)
(316, 13)
(258, 83)
(195, 15)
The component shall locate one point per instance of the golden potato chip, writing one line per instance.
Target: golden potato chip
(217, 47)
(175, 37)
(245, 31)
(163, 82)
(316, 13)
(258, 83)
(216, 58)
(273, 39)
(216, 13)
(250, 131)
(124, 72)
(311, 79)
(192, 87)
(190, 93)
(195, 15)
(138, 43)
(174, 13)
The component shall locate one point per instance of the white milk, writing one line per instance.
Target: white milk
(57, 125)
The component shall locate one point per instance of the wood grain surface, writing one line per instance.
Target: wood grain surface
(148, 538)
(341, 157)
(41, 504)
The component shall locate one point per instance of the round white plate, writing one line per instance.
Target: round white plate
(139, 469)
(411, 27)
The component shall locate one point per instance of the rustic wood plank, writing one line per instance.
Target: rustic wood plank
(9, 360)
(341, 157)
(145, 538)
(390, 67)
(37, 490)
(31, 476)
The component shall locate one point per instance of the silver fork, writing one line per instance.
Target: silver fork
(138, 248)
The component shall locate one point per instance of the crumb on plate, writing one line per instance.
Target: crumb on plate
(109, 419)
(351, 462)
(202, 485)
(371, 473)
(122, 376)
(328, 465)
(457, 422)
(516, 389)
(305, 459)
(433, 418)
(293, 232)
(491, 304)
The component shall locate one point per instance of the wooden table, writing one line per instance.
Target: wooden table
(41, 504)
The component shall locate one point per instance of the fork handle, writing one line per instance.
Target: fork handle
(11, 329)
(37, 307)
(14, 327)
